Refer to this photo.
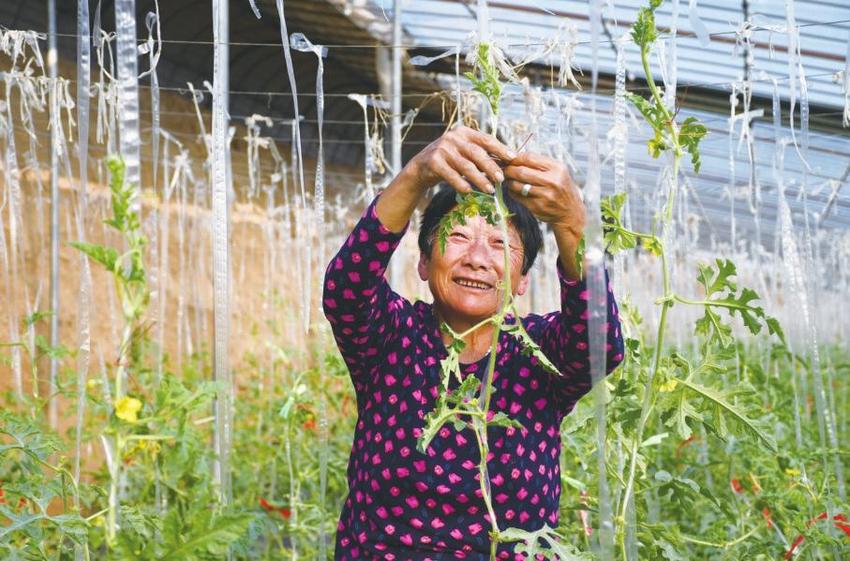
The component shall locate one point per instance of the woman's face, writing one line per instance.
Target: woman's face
(464, 278)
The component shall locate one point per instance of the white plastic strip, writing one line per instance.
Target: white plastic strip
(697, 25)
(11, 176)
(255, 9)
(290, 70)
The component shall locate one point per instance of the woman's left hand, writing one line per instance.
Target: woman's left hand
(544, 186)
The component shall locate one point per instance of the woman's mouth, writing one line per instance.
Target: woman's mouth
(474, 284)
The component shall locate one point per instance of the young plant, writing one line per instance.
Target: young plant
(128, 274)
(673, 388)
(468, 406)
(185, 520)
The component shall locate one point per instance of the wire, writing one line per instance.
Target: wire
(665, 37)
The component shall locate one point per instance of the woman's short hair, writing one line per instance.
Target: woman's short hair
(522, 220)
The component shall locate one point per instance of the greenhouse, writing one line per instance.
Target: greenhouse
(420, 280)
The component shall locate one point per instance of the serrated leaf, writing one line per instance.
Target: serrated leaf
(719, 399)
(500, 419)
(106, 256)
(531, 348)
(719, 279)
(690, 135)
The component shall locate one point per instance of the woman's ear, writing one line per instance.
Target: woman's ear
(523, 285)
(422, 267)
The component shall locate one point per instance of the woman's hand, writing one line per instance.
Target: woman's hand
(463, 158)
(545, 187)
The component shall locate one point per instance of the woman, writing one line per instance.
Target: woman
(405, 505)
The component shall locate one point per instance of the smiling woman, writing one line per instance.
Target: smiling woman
(464, 275)
(407, 505)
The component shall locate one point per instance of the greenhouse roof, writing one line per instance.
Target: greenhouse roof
(730, 185)
(708, 46)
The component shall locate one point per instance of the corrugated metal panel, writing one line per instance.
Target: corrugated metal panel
(713, 197)
(824, 33)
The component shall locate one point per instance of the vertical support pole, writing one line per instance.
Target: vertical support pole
(52, 62)
(397, 266)
(221, 253)
(396, 96)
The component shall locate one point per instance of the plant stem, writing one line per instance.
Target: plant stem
(724, 545)
(648, 399)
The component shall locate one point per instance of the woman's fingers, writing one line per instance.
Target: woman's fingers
(524, 174)
(489, 143)
(452, 177)
(470, 171)
(483, 161)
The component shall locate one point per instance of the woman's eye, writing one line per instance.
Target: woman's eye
(458, 236)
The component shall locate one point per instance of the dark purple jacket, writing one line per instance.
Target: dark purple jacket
(404, 505)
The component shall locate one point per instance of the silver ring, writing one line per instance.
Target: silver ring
(525, 190)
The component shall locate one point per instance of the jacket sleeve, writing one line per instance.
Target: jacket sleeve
(563, 338)
(357, 300)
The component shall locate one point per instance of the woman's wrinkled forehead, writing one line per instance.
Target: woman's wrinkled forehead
(479, 225)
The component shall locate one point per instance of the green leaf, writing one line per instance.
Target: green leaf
(530, 348)
(774, 328)
(682, 412)
(545, 542)
(106, 256)
(500, 419)
(719, 399)
(468, 205)
(644, 32)
(690, 135)
(717, 280)
(580, 251)
(210, 541)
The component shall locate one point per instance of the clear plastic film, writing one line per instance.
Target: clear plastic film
(127, 66)
(845, 84)
(55, 124)
(794, 265)
(620, 134)
(85, 291)
(670, 74)
(597, 298)
(153, 48)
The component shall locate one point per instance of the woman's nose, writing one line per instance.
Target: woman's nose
(479, 252)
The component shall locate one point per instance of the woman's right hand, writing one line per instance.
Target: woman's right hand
(463, 158)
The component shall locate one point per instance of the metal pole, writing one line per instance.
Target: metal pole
(54, 207)
(396, 97)
(396, 272)
(221, 253)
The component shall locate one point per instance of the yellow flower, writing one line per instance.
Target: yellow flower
(791, 472)
(127, 409)
(668, 386)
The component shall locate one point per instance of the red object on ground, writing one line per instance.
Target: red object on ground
(839, 520)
